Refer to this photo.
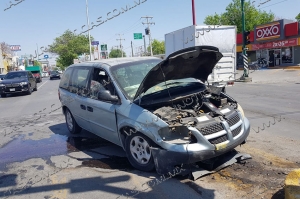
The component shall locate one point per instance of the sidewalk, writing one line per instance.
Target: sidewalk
(276, 76)
(294, 67)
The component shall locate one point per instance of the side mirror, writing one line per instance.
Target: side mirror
(106, 96)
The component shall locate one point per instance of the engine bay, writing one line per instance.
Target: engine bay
(203, 110)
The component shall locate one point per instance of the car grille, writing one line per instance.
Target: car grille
(236, 131)
(12, 85)
(210, 129)
(233, 119)
(218, 140)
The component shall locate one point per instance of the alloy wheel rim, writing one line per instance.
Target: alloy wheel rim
(140, 150)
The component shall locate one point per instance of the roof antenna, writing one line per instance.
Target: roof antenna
(167, 88)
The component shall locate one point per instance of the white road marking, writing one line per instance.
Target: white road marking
(42, 84)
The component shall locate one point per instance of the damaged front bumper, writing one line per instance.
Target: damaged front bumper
(172, 154)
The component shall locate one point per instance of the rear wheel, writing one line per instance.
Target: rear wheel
(3, 95)
(138, 151)
(29, 90)
(71, 123)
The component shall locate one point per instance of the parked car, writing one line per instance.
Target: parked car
(18, 82)
(45, 74)
(38, 77)
(159, 111)
(54, 75)
(2, 76)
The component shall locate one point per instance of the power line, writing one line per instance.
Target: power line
(274, 4)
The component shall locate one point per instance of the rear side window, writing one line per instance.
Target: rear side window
(64, 82)
(79, 80)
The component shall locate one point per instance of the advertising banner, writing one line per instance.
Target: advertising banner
(276, 44)
(15, 47)
(268, 31)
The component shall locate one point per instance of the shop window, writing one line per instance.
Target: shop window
(287, 55)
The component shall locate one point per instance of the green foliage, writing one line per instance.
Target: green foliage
(69, 46)
(114, 53)
(26, 63)
(158, 47)
(37, 63)
(233, 16)
(298, 17)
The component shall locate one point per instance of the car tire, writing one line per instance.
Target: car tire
(50, 78)
(3, 95)
(29, 90)
(137, 147)
(35, 88)
(72, 125)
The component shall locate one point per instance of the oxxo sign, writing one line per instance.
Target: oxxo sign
(269, 31)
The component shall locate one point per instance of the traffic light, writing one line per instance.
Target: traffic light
(246, 37)
(147, 31)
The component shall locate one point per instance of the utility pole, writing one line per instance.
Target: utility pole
(88, 23)
(193, 11)
(149, 32)
(245, 76)
(121, 47)
(145, 49)
(131, 50)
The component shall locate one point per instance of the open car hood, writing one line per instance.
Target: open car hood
(196, 62)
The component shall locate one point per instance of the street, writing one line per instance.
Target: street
(39, 158)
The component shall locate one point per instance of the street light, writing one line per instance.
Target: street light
(88, 23)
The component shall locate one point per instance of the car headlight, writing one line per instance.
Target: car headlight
(240, 109)
(23, 83)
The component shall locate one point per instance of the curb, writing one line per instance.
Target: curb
(292, 185)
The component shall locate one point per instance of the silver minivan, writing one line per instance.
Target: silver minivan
(160, 112)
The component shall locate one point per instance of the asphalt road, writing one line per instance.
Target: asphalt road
(18, 105)
(40, 159)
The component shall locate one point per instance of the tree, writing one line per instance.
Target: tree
(26, 63)
(37, 63)
(114, 53)
(69, 46)
(298, 17)
(233, 16)
(158, 47)
(5, 48)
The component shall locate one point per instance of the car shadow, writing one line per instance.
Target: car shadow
(103, 154)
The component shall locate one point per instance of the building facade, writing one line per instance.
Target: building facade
(277, 42)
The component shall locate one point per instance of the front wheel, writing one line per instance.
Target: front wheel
(35, 88)
(72, 125)
(29, 90)
(3, 95)
(138, 152)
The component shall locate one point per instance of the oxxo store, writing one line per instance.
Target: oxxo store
(277, 42)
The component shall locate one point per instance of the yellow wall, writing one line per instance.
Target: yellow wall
(239, 48)
(5, 63)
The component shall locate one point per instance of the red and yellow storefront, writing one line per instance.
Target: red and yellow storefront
(277, 42)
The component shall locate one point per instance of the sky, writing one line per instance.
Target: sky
(36, 23)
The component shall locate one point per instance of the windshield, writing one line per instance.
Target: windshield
(130, 75)
(186, 82)
(54, 72)
(16, 75)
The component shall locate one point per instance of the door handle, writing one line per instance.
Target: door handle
(82, 107)
(90, 109)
